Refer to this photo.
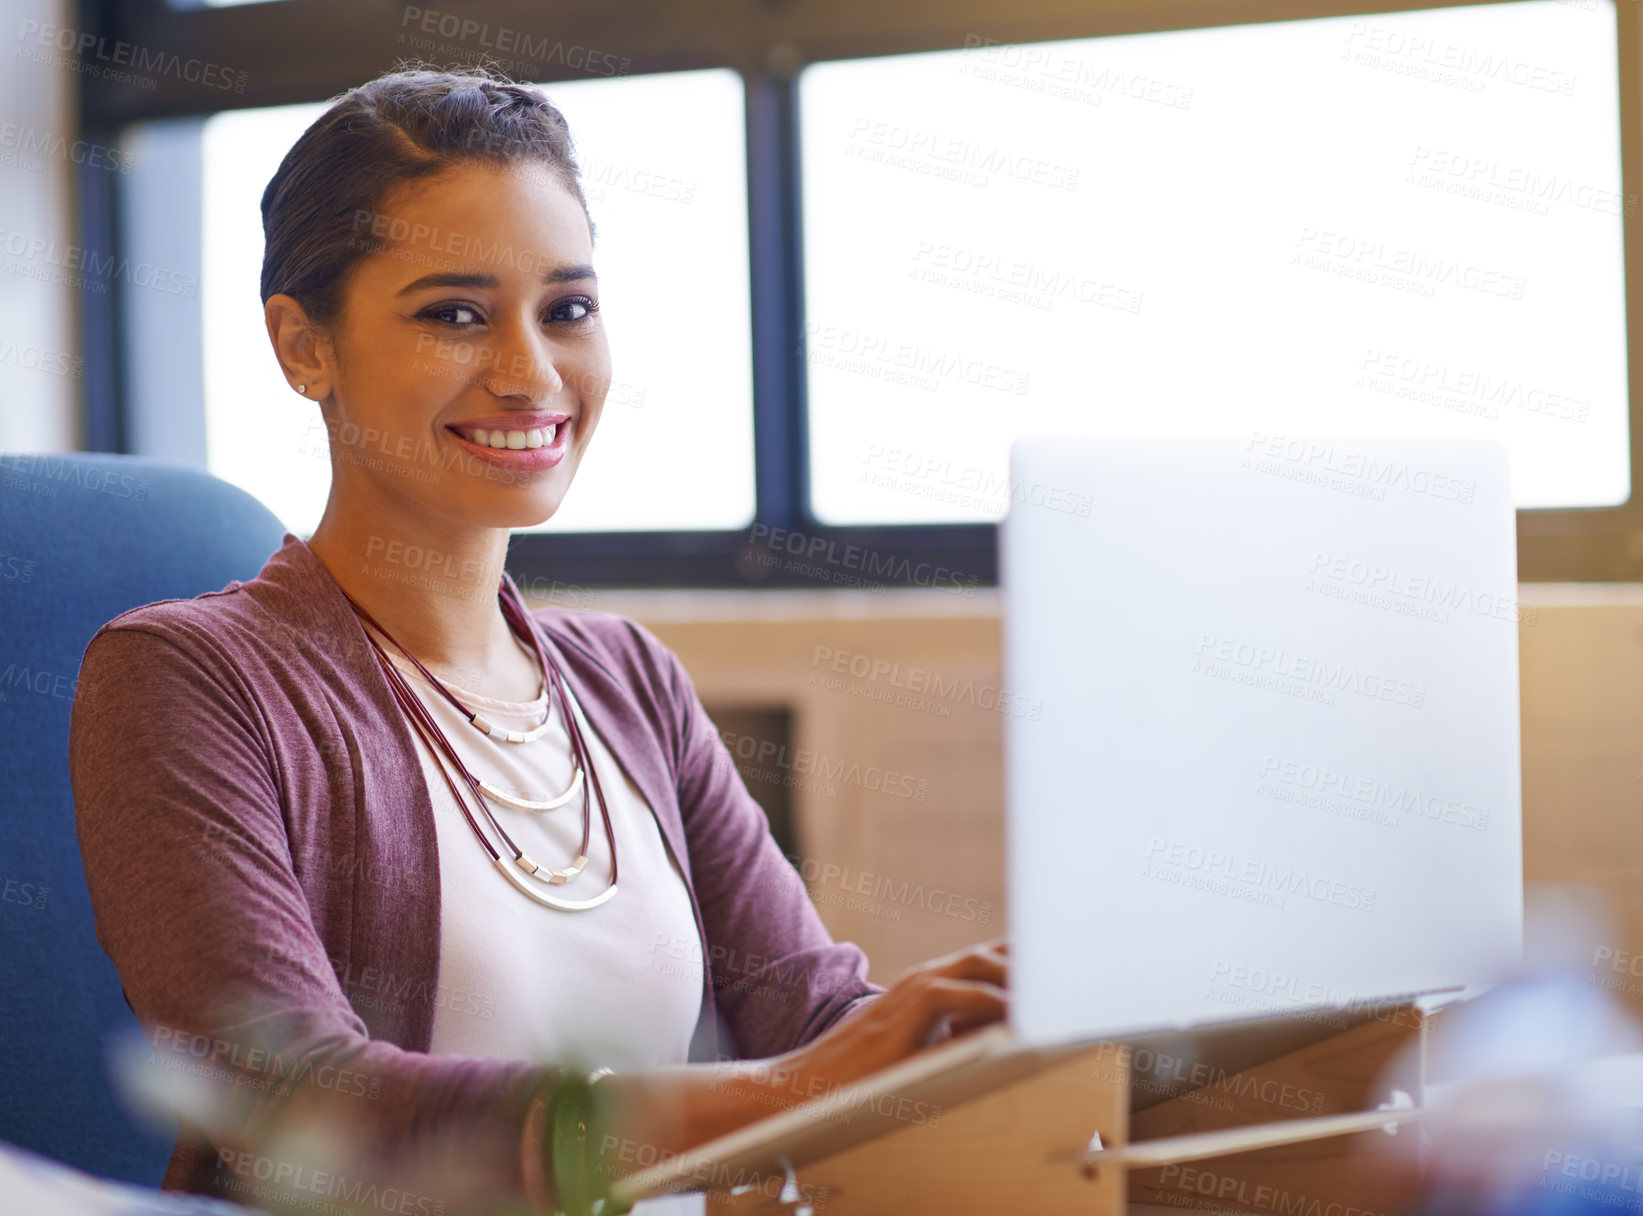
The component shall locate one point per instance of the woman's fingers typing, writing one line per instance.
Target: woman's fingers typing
(926, 1004)
(986, 961)
(962, 1004)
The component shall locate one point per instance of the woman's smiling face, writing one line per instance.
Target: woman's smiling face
(469, 358)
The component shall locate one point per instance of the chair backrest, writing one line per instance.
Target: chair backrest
(83, 538)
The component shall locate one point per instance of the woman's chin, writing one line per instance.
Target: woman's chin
(522, 515)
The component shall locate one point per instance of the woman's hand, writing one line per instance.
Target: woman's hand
(927, 1004)
(663, 1112)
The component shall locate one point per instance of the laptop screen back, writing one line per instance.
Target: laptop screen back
(1272, 758)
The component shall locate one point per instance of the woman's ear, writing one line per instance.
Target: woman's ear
(299, 346)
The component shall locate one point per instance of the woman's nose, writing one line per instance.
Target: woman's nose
(525, 373)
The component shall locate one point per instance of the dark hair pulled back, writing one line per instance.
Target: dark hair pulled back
(407, 124)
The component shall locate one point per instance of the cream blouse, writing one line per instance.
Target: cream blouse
(618, 985)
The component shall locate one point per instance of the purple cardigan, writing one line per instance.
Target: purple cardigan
(259, 845)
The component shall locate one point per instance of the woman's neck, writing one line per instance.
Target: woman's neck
(433, 589)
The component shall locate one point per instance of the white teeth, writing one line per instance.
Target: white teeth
(515, 440)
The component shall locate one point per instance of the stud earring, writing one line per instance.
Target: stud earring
(303, 389)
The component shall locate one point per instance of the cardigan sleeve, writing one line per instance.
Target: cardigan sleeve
(178, 808)
(778, 976)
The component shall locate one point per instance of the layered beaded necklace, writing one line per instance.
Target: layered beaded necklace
(533, 880)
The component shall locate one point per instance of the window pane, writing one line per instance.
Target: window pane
(663, 161)
(664, 166)
(1403, 223)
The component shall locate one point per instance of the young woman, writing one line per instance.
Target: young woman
(353, 829)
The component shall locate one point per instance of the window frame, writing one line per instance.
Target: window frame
(276, 46)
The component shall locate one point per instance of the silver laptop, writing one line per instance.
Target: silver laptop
(1262, 757)
(1264, 753)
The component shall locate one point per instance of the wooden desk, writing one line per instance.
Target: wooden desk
(1247, 1116)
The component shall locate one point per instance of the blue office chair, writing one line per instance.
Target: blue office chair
(83, 537)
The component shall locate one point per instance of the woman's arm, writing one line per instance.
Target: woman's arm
(658, 1114)
(782, 984)
(795, 1004)
(196, 899)
(779, 979)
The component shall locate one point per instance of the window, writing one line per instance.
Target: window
(1346, 225)
(663, 161)
(1396, 223)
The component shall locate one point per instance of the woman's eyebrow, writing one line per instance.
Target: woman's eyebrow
(559, 274)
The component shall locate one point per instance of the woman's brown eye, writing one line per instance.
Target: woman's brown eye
(453, 314)
(586, 307)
